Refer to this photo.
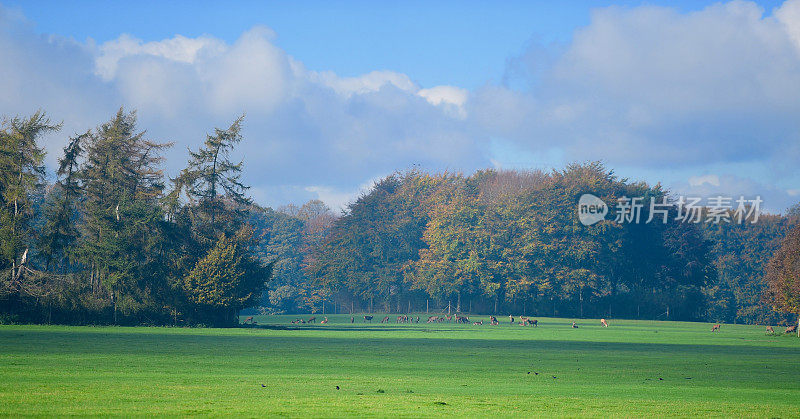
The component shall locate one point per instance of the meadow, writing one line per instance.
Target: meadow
(633, 368)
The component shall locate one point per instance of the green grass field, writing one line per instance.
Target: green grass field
(633, 368)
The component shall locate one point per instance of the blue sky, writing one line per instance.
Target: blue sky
(699, 95)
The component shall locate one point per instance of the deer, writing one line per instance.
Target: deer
(770, 330)
(312, 320)
(574, 326)
(385, 320)
(512, 318)
(790, 329)
(493, 320)
(478, 323)
(249, 319)
(352, 319)
(532, 322)
(603, 323)
(715, 328)
(325, 320)
(368, 319)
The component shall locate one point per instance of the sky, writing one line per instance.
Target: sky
(701, 96)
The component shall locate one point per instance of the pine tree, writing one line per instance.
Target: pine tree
(21, 175)
(213, 184)
(122, 186)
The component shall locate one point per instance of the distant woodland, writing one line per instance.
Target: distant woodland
(112, 240)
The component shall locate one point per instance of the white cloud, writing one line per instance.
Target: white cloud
(789, 16)
(367, 83)
(180, 49)
(451, 97)
(712, 180)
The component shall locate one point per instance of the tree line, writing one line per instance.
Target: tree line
(114, 240)
(511, 242)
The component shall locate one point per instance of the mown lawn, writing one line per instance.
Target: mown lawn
(633, 368)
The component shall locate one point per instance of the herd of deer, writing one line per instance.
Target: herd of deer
(523, 321)
(770, 330)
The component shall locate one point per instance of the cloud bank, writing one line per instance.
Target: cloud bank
(709, 95)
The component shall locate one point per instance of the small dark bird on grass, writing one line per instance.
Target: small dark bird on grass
(262, 385)
(554, 376)
(337, 387)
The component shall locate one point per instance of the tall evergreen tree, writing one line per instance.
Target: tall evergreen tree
(122, 185)
(21, 175)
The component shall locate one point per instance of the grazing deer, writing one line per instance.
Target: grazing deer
(574, 326)
(478, 323)
(368, 319)
(532, 322)
(603, 323)
(312, 320)
(715, 328)
(512, 318)
(352, 319)
(790, 329)
(493, 320)
(325, 320)
(770, 330)
(432, 319)
(249, 319)
(385, 320)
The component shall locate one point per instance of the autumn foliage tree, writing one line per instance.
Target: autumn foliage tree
(783, 276)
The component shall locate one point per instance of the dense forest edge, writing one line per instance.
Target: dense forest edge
(112, 240)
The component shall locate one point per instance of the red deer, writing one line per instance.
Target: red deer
(493, 320)
(368, 319)
(385, 320)
(512, 318)
(715, 328)
(478, 323)
(574, 326)
(352, 319)
(770, 330)
(325, 320)
(249, 319)
(532, 322)
(312, 320)
(432, 319)
(790, 329)
(603, 323)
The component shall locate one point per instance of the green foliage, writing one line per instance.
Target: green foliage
(227, 279)
(740, 255)
(21, 176)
